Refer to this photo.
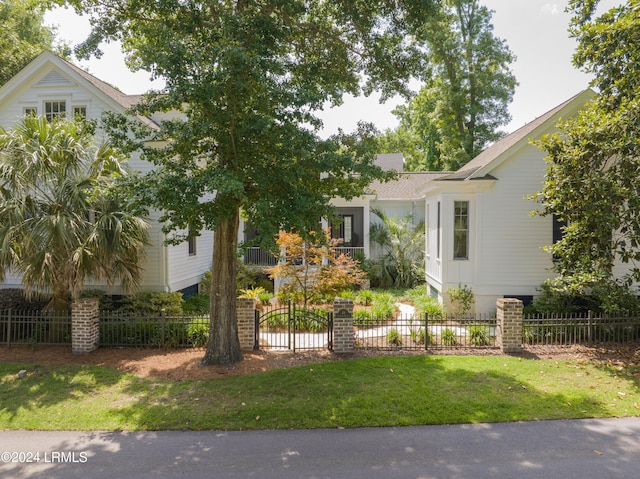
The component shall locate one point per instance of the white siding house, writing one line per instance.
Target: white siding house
(49, 82)
(480, 230)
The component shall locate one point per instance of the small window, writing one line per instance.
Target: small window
(30, 111)
(461, 230)
(80, 112)
(192, 246)
(54, 110)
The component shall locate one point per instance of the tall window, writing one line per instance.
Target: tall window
(438, 233)
(191, 241)
(55, 109)
(461, 230)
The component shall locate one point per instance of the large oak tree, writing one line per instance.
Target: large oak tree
(249, 76)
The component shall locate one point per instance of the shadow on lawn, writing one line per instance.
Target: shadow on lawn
(382, 391)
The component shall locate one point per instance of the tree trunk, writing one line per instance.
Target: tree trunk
(223, 346)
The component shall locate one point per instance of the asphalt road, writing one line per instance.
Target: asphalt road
(582, 449)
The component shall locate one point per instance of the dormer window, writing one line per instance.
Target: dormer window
(54, 110)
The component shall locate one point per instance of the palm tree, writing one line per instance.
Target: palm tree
(402, 250)
(61, 220)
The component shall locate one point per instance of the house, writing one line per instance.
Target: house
(480, 231)
(396, 198)
(52, 86)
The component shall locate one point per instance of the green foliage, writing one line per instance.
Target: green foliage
(62, 220)
(399, 261)
(448, 337)
(479, 335)
(23, 35)
(251, 293)
(419, 336)
(312, 271)
(394, 338)
(462, 299)
(197, 304)
(364, 297)
(593, 173)
(105, 301)
(566, 295)
(383, 305)
(466, 95)
(152, 304)
(249, 79)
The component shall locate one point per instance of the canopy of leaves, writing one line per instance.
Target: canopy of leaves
(248, 76)
(593, 176)
(467, 91)
(314, 270)
(61, 221)
(23, 35)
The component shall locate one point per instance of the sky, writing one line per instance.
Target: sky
(536, 31)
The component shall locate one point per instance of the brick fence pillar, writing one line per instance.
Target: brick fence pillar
(246, 322)
(85, 325)
(343, 341)
(509, 316)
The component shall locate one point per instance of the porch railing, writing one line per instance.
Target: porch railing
(259, 257)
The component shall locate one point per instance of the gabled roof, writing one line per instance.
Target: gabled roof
(481, 165)
(100, 88)
(405, 187)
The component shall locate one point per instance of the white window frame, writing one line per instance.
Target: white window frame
(56, 113)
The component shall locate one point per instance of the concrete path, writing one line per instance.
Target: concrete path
(585, 449)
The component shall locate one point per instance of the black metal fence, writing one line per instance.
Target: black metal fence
(119, 330)
(421, 332)
(34, 327)
(587, 329)
(293, 327)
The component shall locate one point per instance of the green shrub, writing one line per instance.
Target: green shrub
(449, 337)
(198, 333)
(152, 304)
(479, 335)
(419, 337)
(364, 297)
(197, 304)
(105, 301)
(461, 299)
(394, 338)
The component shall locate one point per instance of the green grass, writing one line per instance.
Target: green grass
(382, 391)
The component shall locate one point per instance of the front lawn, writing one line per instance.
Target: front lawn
(381, 391)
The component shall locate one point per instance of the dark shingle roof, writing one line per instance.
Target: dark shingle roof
(406, 187)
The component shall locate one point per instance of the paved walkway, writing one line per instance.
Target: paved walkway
(585, 449)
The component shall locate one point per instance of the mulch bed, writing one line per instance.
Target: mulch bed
(182, 364)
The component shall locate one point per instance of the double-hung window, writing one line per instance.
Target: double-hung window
(461, 230)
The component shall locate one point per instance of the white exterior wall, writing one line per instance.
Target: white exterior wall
(511, 239)
(506, 242)
(165, 268)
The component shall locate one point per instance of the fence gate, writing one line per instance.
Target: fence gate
(293, 327)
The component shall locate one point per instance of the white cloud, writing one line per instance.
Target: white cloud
(551, 9)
